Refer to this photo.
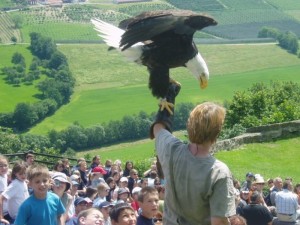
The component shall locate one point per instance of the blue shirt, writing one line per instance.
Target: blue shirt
(35, 211)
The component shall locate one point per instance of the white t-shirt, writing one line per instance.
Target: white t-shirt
(3, 183)
(16, 193)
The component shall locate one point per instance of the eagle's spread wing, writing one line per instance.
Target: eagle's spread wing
(150, 25)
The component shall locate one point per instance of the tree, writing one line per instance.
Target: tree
(13, 39)
(17, 19)
(57, 59)
(24, 116)
(18, 58)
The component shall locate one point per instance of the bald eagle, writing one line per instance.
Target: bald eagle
(160, 40)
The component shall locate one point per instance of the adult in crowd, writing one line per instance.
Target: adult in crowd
(256, 213)
(297, 191)
(286, 204)
(60, 186)
(96, 161)
(29, 159)
(67, 169)
(58, 166)
(244, 199)
(128, 167)
(277, 187)
(209, 195)
(248, 182)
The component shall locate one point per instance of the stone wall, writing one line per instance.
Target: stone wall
(261, 134)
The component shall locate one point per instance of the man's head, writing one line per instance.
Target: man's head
(148, 201)
(205, 123)
(255, 197)
(278, 183)
(90, 216)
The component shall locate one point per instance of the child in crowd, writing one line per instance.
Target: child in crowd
(103, 191)
(90, 216)
(15, 194)
(3, 173)
(122, 214)
(148, 201)
(3, 180)
(42, 207)
(134, 195)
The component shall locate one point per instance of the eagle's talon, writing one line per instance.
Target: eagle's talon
(166, 105)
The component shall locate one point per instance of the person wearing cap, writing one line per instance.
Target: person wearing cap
(80, 204)
(122, 214)
(74, 194)
(134, 195)
(97, 175)
(123, 195)
(102, 192)
(122, 184)
(105, 208)
(244, 199)
(60, 186)
(248, 182)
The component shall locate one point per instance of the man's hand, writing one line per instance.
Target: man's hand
(164, 117)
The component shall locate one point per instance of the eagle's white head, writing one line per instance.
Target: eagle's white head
(199, 69)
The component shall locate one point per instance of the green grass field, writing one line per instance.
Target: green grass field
(10, 96)
(105, 94)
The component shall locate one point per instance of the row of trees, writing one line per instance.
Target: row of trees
(287, 40)
(55, 90)
(259, 105)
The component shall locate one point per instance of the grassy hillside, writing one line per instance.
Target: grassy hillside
(105, 94)
(10, 95)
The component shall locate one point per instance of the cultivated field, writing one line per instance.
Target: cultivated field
(7, 29)
(237, 19)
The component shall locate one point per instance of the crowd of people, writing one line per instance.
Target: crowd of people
(192, 188)
(103, 193)
(275, 201)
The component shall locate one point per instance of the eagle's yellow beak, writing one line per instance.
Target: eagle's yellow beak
(203, 82)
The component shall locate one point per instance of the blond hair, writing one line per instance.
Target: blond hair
(37, 170)
(205, 123)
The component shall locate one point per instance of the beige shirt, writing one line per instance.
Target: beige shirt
(203, 186)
